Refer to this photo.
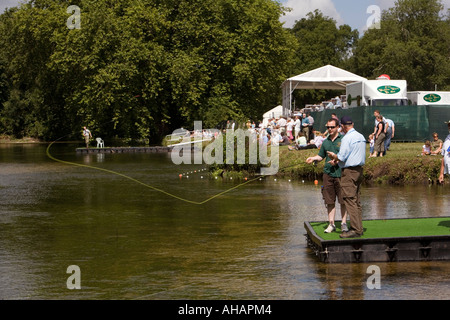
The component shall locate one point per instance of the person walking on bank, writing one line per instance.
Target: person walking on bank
(331, 175)
(351, 158)
(87, 135)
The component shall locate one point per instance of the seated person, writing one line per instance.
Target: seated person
(426, 148)
(436, 145)
(281, 139)
(319, 140)
(331, 104)
(284, 139)
(301, 143)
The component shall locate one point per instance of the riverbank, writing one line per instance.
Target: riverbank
(9, 139)
(402, 164)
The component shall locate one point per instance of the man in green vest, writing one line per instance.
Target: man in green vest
(331, 175)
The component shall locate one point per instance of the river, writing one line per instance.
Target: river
(136, 230)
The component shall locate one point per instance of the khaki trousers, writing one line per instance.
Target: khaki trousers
(305, 130)
(351, 180)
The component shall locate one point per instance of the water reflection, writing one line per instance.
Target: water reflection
(132, 242)
(406, 202)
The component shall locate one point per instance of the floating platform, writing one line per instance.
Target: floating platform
(124, 150)
(391, 240)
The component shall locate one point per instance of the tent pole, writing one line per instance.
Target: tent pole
(290, 96)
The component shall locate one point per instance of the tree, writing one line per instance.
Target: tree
(139, 68)
(413, 43)
(320, 42)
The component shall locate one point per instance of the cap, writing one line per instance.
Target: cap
(346, 120)
(447, 122)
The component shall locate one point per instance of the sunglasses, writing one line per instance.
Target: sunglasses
(330, 127)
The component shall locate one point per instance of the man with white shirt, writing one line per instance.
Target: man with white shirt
(297, 126)
(338, 104)
(390, 133)
(445, 163)
(282, 124)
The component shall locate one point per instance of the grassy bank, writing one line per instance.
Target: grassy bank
(10, 139)
(402, 165)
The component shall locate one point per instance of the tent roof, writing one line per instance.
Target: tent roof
(327, 77)
(275, 112)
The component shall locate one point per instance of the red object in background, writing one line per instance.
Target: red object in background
(384, 77)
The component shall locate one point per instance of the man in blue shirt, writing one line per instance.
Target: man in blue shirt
(351, 158)
(305, 126)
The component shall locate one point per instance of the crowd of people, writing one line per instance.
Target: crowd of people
(344, 152)
(297, 131)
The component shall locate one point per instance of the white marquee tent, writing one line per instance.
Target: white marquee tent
(327, 77)
(276, 112)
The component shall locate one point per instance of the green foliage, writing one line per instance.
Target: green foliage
(251, 145)
(139, 68)
(413, 43)
(320, 42)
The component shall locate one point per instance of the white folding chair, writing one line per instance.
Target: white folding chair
(100, 143)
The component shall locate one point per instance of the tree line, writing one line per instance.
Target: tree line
(139, 69)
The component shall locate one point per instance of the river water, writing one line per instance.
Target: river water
(136, 230)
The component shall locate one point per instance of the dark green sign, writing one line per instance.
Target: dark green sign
(432, 97)
(389, 89)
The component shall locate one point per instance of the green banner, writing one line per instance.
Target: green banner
(412, 123)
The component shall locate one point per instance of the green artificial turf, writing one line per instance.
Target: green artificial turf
(391, 228)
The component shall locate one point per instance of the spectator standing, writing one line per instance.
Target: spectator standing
(282, 124)
(305, 126)
(377, 113)
(289, 128)
(311, 127)
(297, 126)
(390, 133)
(338, 104)
(379, 136)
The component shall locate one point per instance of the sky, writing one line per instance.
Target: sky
(351, 12)
(355, 13)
